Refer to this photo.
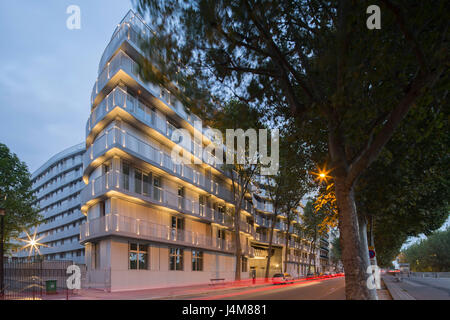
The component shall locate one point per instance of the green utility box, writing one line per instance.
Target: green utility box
(50, 286)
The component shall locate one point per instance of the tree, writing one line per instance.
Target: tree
(16, 195)
(431, 254)
(316, 62)
(286, 189)
(237, 115)
(313, 229)
(335, 252)
(405, 192)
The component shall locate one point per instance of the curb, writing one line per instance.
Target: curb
(395, 291)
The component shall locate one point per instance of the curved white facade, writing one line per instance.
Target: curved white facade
(57, 185)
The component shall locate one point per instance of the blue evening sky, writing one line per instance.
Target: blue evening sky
(47, 72)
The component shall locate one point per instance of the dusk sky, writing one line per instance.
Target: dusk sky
(47, 72)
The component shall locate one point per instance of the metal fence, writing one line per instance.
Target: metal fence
(37, 279)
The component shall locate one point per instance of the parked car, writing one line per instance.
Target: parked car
(282, 278)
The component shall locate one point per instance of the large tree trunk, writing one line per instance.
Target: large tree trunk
(269, 253)
(362, 223)
(287, 247)
(312, 249)
(354, 263)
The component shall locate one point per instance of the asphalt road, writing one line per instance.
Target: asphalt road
(427, 288)
(325, 289)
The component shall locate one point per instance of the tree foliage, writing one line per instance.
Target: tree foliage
(16, 195)
(431, 254)
(313, 62)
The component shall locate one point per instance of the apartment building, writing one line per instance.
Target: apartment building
(291, 251)
(152, 222)
(57, 185)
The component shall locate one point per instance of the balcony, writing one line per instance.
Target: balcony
(73, 203)
(116, 181)
(295, 259)
(119, 225)
(122, 62)
(118, 138)
(118, 98)
(70, 177)
(266, 207)
(67, 192)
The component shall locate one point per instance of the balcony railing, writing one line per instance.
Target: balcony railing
(115, 224)
(116, 137)
(56, 197)
(57, 184)
(266, 207)
(120, 98)
(116, 181)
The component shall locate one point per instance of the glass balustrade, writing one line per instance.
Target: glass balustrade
(158, 195)
(116, 137)
(144, 229)
(120, 98)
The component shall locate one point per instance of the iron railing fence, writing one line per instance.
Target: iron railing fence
(27, 280)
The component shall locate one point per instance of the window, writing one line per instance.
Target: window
(137, 181)
(202, 202)
(96, 255)
(137, 256)
(197, 260)
(126, 176)
(175, 259)
(244, 264)
(181, 198)
(102, 208)
(177, 228)
(157, 188)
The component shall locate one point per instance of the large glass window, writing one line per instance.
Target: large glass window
(197, 260)
(141, 182)
(138, 256)
(176, 259)
(177, 228)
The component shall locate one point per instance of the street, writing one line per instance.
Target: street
(426, 288)
(324, 289)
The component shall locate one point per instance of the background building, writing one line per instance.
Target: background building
(57, 185)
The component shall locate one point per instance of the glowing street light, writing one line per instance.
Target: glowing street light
(322, 174)
(32, 243)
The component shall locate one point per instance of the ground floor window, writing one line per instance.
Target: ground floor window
(138, 256)
(197, 260)
(175, 259)
(244, 264)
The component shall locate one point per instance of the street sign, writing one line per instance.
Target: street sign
(371, 253)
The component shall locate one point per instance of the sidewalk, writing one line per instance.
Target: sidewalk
(394, 289)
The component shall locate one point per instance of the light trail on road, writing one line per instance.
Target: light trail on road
(297, 283)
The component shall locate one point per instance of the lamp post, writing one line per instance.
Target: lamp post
(2, 227)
